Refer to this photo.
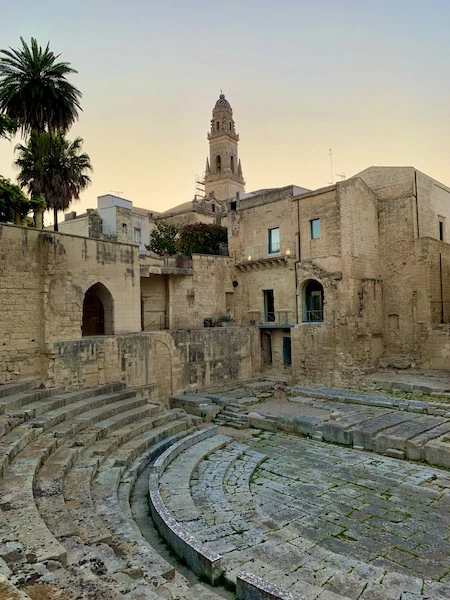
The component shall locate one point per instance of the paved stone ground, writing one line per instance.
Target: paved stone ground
(320, 520)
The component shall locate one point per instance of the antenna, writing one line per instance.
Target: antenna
(330, 153)
(117, 193)
(341, 175)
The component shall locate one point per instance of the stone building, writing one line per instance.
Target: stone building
(320, 285)
(114, 219)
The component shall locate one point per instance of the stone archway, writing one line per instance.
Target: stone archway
(312, 302)
(98, 311)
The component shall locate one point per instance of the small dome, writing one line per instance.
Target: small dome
(222, 102)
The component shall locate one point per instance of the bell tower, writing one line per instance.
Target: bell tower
(223, 174)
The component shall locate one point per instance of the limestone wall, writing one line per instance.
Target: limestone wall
(326, 250)
(175, 360)
(154, 298)
(21, 306)
(43, 280)
(78, 226)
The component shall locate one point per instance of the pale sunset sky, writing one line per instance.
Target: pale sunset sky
(369, 79)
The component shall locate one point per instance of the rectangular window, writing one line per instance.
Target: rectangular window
(137, 235)
(269, 306)
(441, 230)
(315, 229)
(274, 240)
(124, 228)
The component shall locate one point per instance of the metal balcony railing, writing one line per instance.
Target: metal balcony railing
(163, 321)
(279, 250)
(278, 318)
(313, 316)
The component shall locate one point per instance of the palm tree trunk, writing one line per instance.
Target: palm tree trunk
(55, 219)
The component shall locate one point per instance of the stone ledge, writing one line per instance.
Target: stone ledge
(173, 451)
(251, 587)
(199, 559)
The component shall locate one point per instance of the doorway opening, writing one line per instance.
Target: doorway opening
(269, 306)
(313, 298)
(97, 311)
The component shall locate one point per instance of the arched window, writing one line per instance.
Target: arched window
(312, 301)
(218, 163)
(217, 125)
(98, 311)
(232, 163)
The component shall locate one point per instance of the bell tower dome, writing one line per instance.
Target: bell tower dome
(223, 169)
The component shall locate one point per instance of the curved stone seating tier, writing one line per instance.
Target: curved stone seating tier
(266, 540)
(17, 485)
(63, 457)
(202, 561)
(50, 478)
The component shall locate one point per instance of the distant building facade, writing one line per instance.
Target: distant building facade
(114, 219)
(319, 286)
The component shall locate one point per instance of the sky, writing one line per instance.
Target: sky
(370, 80)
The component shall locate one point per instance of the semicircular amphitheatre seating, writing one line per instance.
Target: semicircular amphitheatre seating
(82, 473)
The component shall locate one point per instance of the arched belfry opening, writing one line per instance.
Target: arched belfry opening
(98, 311)
(232, 163)
(218, 163)
(312, 302)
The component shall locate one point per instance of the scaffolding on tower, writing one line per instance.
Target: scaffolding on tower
(199, 187)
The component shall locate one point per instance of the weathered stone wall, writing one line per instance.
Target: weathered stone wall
(154, 299)
(202, 295)
(44, 277)
(21, 303)
(174, 360)
(124, 225)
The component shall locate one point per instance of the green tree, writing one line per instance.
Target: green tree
(14, 205)
(201, 238)
(8, 127)
(51, 166)
(163, 238)
(34, 89)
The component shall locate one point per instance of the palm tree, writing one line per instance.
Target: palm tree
(34, 89)
(55, 168)
(8, 127)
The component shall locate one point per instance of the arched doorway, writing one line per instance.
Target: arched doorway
(312, 302)
(97, 311)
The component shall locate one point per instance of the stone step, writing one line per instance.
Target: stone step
(16, 401)
(24, 523)
(17, 484)
(59, 415)
(227, 423)
(174, 484)
(41, 407)
(48, 486)
(228, 528)
(15, 441)
(232, 416)
(8, 389)
(117, 511)
(77, 486)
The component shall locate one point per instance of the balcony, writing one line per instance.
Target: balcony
(259, 256)
(276, 319)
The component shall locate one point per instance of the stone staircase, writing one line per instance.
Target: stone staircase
(232, 416)
(68, 463)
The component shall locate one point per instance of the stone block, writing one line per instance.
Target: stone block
(394, 453)
(437, 452)
(260, 422)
